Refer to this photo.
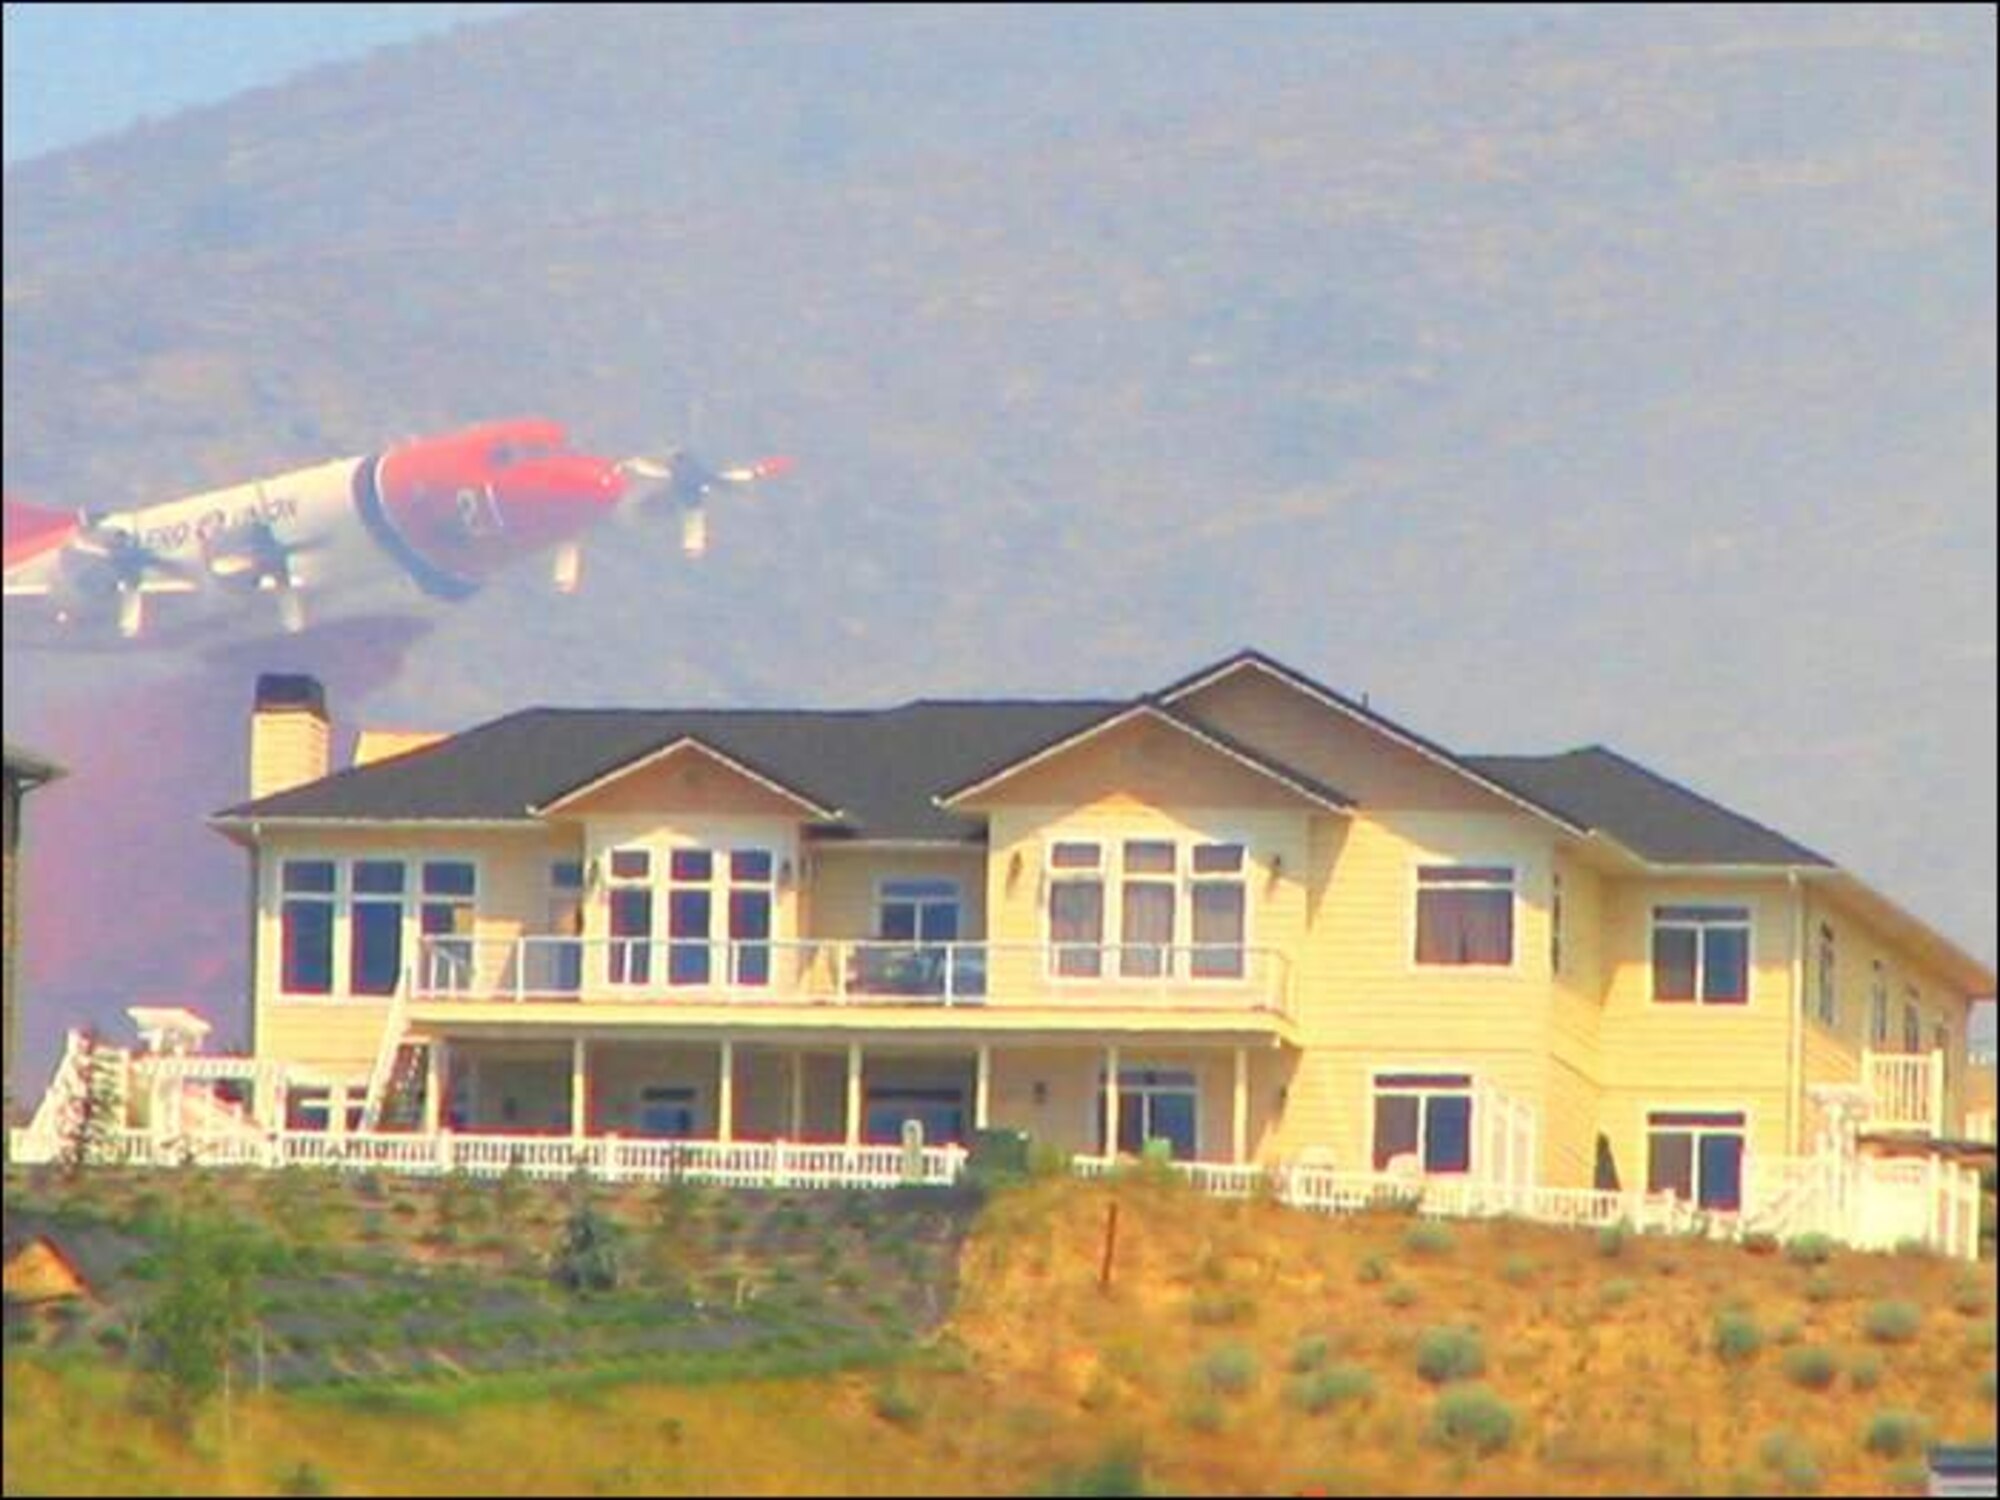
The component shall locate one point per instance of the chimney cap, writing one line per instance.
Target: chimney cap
(287, 690)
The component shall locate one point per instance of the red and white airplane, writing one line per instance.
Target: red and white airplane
(442, 514)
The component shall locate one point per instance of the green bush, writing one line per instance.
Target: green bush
(1786, 1333)
(1820, 1287)
(1893, 1433)
(1229, 1370)
(1472, 1419)
(1760, 1242)
(1811, 1367)
(1324, 1389)
(1308, 1354)
(1616, 1292)
(586, 1259)
(1448, 1354)
(305, 1479)
(895, 1404)
(1372, 1270)
(1215, 1309)
(1865, 1373)
(1119, 1470)
(1201, 1413)
(1428, 1238)
(1402, 1294)
(1970, 1297)
(1987, 1386)
(1611, 1239)
(1810, 1249)
(1892, 1322)
(1518, 1270)
(1737, 1338)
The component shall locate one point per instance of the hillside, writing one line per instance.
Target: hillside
(1239, 1349)
(1555, 376)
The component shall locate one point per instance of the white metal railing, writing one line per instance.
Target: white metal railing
(1905, 1090)
(750, 1164)
(544, 968)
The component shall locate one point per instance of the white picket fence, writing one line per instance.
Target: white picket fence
(607, 1158)
(1873, 1202)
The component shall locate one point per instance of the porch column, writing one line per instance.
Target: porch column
(725, 1092)
(1111, 1101)
(854, 1093)
(579, 1088)
(433, 1086)
(336, 1110)
(798, 1094)
(1239, 1116)
(982, 1087)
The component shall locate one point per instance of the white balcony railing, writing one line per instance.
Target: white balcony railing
(538, 968)
(1905, 1091)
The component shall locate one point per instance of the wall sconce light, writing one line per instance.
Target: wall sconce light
(1041, 1092)
(785, 875)
(1284, 1093)
(1013, 871)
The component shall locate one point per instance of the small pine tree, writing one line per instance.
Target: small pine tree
(587, 1258)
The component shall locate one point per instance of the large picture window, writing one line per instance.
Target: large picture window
(1076, 909)
(1153, 1104)
(1697, 1154)
(1426, 1116)
(1181, 910)
(1701, 954)
(375, 956)
(1465, 915)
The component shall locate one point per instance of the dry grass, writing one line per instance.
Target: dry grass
(1049, 1371)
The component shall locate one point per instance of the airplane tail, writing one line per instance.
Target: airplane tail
(30, 529)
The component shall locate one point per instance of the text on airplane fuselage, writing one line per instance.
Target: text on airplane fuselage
(211, 524)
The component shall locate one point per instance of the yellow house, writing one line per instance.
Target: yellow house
(1243, 914)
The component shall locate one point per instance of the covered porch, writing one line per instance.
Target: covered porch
(1209, 1099)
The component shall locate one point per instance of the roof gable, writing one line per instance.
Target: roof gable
(652, 780)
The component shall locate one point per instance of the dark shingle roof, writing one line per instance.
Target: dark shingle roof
(1658, 819)
(877, 767)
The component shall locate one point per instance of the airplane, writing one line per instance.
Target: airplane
(442, 514)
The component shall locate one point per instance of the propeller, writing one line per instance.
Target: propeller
(684, 482)
(252, 556)
(130, 568)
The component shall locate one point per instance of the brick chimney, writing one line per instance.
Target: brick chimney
(290, 740)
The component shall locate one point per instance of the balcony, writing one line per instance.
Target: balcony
(538, 970)
(1905, 1091)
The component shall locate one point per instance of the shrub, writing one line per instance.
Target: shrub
(1517, 1270)
(1893, 1433)
(895, 1404)
(1471, 1418)
(1821, 1287)
(1866, 1372)
(1809, 1249)
(1448, 1354)
(1737, 1338)
(1616, 1292)
(1308, 1354)
(1201, 1413)
(586, 1260)
(1119, 1470)
(1811, 1367)
(1402, 1294)
(1372, 1270)
(1612, 1237)
(1892, 1322)
(1229, 1370)
(1760, 1242)
(1215, 1309)
(305, 1479)
(1969, 1298)
(1787, 1333)
(1324, 1389)
(1987, 1387)
(1428, 1238)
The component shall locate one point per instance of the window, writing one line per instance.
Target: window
(751, 875)
(446, 914)
(1153, 1104)
(1556, 923)
(1826, 998)
(667, 1113)
(918, 911)
(1465, 915)
(690, 911)
(1698, 1155)
(1146, 908)
(941, 1111)
(1427, 1116)
(306, 926)
(1217, 910)
(375, 946)
(1076, 909)
(1701, 953)
(629, 917)
(1878, 1005)
(556, 964)
(1913, 1021)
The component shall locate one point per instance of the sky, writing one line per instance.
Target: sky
(74, 72)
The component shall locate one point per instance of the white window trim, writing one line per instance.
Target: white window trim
(341, 991)
(1748, 1131)
(1695, 1002)
(1109, 873)
(1475, 1086)
(1413, 882)
(1826, 977)
(717, 840)
(958, 890)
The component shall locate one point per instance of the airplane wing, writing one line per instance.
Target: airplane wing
(87, 569)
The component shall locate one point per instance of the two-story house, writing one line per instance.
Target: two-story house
(1244, 914)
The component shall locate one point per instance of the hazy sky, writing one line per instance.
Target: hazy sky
(77, 71)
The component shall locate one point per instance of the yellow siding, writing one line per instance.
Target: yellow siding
(843, 898)
(688, 779)
(288, 748)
